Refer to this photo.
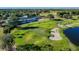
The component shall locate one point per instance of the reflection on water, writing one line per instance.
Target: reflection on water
(73, 35)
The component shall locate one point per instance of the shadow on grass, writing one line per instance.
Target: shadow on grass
(26, 28)
(33, 47)
(28, 47)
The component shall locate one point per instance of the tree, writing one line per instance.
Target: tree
(51, 16)
(67, 16)
(29, 47)
(47, 47)
(6, 29)
(8, 42)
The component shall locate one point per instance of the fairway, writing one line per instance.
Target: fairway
(39, 36)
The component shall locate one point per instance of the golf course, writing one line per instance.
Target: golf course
(40, 30)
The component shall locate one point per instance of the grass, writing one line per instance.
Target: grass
(1, 32)
(45, 24)
(40, 35)
(1, 35)
(70, 44)
(37, 36)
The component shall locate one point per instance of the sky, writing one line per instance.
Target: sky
(39, 3)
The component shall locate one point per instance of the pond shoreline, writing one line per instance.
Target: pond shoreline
(72, 34)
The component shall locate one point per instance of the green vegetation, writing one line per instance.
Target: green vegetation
(34, 36)
(39, 36)
(45, 24)
(1, 35)
(8, 42)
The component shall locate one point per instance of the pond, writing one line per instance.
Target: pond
(73, 35)
(25, 20)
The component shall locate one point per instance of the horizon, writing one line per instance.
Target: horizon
(39, 7)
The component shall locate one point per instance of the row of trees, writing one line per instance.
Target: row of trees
(45, 47)
(68, 14)
(33, 47)
(64, 14)
(14, 13)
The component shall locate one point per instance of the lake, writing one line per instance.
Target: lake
(73, 35)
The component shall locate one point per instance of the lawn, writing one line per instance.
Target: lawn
(39, 36)
(45, 24)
